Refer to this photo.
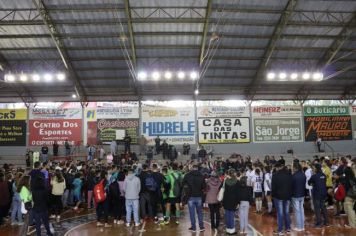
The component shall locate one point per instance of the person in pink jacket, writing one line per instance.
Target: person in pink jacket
(213, 187)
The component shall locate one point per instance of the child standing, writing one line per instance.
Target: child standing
(77, 190)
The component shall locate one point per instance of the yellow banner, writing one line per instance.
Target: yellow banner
(13, 114)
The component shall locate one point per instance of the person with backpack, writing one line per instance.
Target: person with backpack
(213, 186)
(319, 192)
(174, 180)
(101, 201)
(196, 184)
(156, 195)
(132, 187)
(339, 177)
(148, 185)
(298, 189)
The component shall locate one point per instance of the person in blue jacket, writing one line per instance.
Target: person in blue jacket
(298, 188)
(319, 192)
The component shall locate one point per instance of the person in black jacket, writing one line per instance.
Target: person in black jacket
(40, 205)
(318, 181)
(230, 200)
(298, 187)
(282, 194)
(196, 184)
(245, 196)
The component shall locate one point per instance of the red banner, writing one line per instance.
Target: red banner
(48, 131)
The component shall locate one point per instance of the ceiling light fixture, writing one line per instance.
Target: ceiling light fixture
(156, 75)
(193, 75)
(48, 77)
(271, 76)
(181, 75)
(282, 75)
(74, 96)
(196, 92)
(10, 78)
(61, 77)
(168, 75)
(142, 75)
(306, 76)
(294, 76)
(36, 77)
(23, 78)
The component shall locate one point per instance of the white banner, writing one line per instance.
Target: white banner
(353, 110)
(175, 125)
(92, 114)
(277, 111)
(44, 113)
(224, 130)
(221, 111)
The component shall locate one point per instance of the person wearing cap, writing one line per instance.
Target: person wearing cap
(282, 194)
(319, 192)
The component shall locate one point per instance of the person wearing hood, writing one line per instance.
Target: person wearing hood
(230, 200)
(213, 187)
(196, 184)
(132, 188)
(319, 193)
(245, 197)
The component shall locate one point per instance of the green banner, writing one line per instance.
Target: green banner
(326, 110)
(277, 130)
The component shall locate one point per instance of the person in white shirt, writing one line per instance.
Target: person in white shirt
(113, 147)
(308, 174)
(257, 189)
(267, 186)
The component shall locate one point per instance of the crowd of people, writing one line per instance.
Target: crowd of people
(133, 191)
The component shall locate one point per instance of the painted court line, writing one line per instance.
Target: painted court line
(76, 227)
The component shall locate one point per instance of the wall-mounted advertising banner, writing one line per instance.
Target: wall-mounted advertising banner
(277, 111)
(49, 125)
(13, 127)
(353, 120)
(277, 130)
(175, 125)
(221, 111)
(106, 129)
(224, 130)
(326, 111)
(328, 128)
(44, 113)
(50, 130)
(112, 113)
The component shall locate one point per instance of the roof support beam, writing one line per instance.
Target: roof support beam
(271, 46)
(205, 32)
(130, 28)
(47, 20)
(343, 36)
(22, 92)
